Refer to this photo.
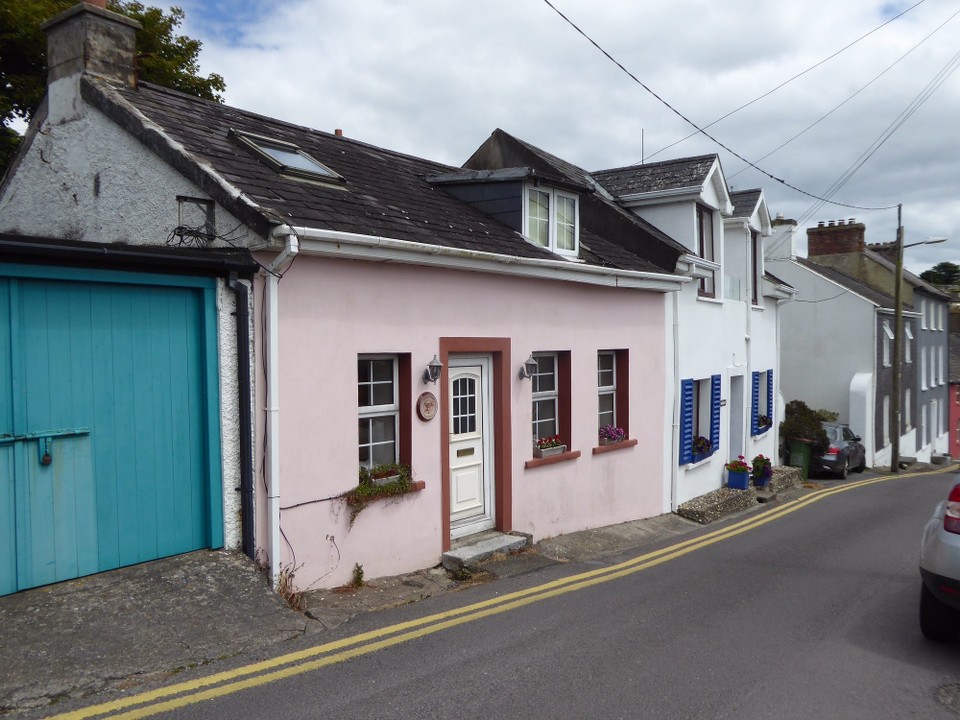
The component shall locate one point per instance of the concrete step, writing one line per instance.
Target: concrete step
(473, 550)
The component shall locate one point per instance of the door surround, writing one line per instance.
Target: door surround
(500, 427)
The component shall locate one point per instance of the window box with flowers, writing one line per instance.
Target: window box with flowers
(764, 423)
(738, 474)
(379, 482)
(611, 435)
(548, 446)
(702, 449)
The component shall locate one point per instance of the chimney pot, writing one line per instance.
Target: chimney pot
(338, 132)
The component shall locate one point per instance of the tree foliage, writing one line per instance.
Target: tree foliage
(164, 57)
(943, 273)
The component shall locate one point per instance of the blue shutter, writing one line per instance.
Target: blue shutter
(714, 413)
(755, 403)
(770, 394)
(686, 421)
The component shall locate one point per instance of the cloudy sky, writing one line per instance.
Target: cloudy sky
(435, 77)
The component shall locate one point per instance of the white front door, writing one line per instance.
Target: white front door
(471, 486)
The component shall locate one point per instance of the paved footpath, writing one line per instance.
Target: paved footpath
(136, 628)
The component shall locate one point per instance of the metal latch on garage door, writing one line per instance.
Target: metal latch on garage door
(44, 440)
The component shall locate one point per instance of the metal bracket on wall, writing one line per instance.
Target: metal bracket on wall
(44, 440)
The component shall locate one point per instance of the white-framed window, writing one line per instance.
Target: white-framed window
(908, 345)
(887, 339)
(552, 219)
(923, 368)
(606, 388)
(923, 314)
(699, 418)
(706, 248)
(546, 396)
(924, 435)
(886, 419)
(941, 373)
(378, 409)
(907, 406)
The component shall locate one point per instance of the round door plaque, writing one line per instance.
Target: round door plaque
(427, 406)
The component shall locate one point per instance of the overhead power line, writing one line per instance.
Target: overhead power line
(850, 97)
(790, 80)
(701, 130)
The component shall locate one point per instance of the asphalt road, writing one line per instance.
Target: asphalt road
(806, 610)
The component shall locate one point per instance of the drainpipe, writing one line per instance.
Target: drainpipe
(675, 452)
(272, 371)
(242, 293)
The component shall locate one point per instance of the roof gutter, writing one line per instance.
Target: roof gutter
(353, 246)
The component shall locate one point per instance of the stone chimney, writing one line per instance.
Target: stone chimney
(782, 245)
(89, 38)
(836, 237)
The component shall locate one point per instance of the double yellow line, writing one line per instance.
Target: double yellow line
(285, 666)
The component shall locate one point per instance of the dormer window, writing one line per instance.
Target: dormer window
(286, 158)
(552, 220)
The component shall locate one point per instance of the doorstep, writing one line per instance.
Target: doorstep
(474, 549)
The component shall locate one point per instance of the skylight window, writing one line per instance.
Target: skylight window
(286, 158)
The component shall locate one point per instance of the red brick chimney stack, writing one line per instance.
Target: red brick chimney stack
(837, 237)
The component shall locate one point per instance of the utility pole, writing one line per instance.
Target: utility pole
(897, 342)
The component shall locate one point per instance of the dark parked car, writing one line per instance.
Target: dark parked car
(844, 454)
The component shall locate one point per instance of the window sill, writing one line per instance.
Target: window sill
(700, 460)
(562, 457)
(762, 431)
(711, 299)
(601, 449)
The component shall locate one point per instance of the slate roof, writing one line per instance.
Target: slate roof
(623, 238)
(654, 177)
(745, 202)
(850, 283)
(385, 194)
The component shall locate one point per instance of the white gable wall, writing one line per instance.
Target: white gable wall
(89, 180)
(828, 339)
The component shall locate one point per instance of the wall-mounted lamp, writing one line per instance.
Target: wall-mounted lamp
(432, 372)
(528, 368)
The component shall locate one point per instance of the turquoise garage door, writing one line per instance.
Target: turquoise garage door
(109, 421)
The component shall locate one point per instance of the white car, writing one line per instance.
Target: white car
(940, 570)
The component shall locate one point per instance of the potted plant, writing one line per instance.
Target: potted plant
(547, 446)
(738, 473)
(762, 470)
(763, 422)
(702, 447)
(610, 434)
(802, 434)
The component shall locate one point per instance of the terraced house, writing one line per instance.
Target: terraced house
(266, 308)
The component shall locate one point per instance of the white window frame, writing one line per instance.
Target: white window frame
(368, 412)
(552, 222)
(907, 415)
(886, 420)
(608, 389)
(887, 338)
(541, 396)
(941, 372)
(908, 345)
(923, 314)
(923, 368)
